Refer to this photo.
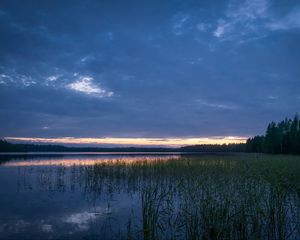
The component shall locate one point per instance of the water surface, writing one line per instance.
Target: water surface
(149, 196)
(45, 196)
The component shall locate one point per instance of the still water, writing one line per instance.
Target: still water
(62, 197)
(149, 196)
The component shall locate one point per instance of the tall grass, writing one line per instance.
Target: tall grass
(207, 197)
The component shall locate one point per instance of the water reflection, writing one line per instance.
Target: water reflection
(142, 197)
(84, 161)
(58, 197)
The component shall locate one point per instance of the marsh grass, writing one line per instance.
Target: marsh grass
(205, 197)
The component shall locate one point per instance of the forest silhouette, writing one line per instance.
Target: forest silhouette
(280, 138)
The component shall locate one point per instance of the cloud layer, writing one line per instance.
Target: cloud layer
(147, 69)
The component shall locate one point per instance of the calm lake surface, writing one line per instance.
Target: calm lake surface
(48, 196)
(145, 196)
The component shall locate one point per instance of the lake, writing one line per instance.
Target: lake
(149, 196)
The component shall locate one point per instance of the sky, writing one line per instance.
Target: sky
(159, 69)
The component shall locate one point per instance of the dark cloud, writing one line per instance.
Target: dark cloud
(147, 68)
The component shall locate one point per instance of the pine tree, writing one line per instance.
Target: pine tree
(283, 137)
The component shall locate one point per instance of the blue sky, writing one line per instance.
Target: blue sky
(147, 69)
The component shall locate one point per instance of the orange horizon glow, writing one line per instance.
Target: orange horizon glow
(171, 142)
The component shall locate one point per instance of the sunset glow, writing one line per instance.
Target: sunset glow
(173, 142)
(70, 162)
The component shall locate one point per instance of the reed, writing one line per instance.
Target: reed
(245, 196)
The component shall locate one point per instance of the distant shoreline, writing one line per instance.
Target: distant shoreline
(111, 153)
(7, 148)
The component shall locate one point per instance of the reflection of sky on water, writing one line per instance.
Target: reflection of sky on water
(98, 197)
(40, 199)
(85, 161)
(81, 220)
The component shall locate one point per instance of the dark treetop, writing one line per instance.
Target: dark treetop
(282, 137)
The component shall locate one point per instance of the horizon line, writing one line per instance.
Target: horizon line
(122, 141)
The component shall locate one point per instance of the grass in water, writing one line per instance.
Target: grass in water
(244, 196)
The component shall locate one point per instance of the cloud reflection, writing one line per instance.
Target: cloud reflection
(81, 220)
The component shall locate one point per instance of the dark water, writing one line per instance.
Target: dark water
(149, 196)
(50, 197)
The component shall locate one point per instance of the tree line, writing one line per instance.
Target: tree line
(215, 148)
(17, 147)
(280, 138)
(13, 147)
